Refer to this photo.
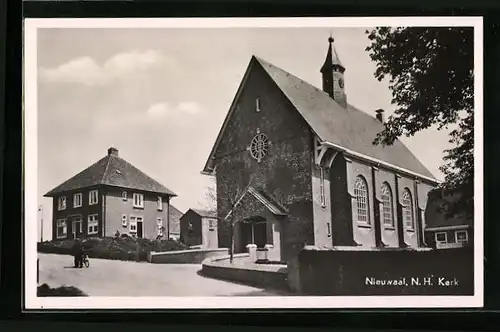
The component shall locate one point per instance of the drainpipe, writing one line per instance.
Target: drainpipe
(168, 217)
(421, 237)
(399, 215)
(103, 204)
(377, 222)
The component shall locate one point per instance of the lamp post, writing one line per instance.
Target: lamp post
(40, 209)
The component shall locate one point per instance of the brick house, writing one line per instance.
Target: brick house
(175, 223)
(301, 163)
(442, 230)
(109, 196)
(199, 228)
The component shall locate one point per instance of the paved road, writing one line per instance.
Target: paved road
(120, 278)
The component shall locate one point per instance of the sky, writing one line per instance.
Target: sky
(160, 96)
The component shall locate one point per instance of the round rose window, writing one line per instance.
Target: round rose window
(259, 146)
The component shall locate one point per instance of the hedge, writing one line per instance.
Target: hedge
(119, 248)
(46, 290)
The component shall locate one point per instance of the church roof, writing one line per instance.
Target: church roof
(112, 171)
(348, 128)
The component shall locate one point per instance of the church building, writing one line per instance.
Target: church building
(295, 166)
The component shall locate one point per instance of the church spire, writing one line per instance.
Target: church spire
(332, 58)
(333, 75)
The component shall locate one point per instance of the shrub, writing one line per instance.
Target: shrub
(46, 290)
(118, 248)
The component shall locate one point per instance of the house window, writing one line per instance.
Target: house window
(159, 226)
(322, 186)
(124, 220)
(361, 194)
(61, 229)
(138, 200)
(211, 224)
(77, 200)
(124, 195)
(408, 209)
(93, 224)
(461, 236)
(386, 197)
(160, 203)
(257, 104)
(329, 229)
(441, 238)
(61, 203)
(93, 197)
(132, 225)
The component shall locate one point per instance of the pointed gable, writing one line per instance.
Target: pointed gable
(348, 128)
(112, 171)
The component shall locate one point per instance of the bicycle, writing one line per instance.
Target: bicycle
(85, 260)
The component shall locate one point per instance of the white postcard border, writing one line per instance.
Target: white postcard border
(344, 302)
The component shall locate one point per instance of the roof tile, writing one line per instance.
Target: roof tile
(348, 127)
(112, 171)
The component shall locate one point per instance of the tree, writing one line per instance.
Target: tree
(431, 76)
(234, 199)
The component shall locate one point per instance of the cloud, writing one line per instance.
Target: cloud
(86, 71)
(190, 107)
(165, 109)
(158, 110)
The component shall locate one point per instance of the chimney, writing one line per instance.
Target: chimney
(380, 115)
(113, 152)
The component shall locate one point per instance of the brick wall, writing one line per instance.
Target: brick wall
(84, 211)
(196, 256)
(358, 273)
(116, 207)
(364, 234)
(430, 237)
(191, 237)
(284, 173)
(389, 235)
(342, 231)
(343, 175)
(209, 234)
(322, 214)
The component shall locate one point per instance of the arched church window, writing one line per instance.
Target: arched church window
(408, 209)
(259, 146)
(361, 194)
(386, 197)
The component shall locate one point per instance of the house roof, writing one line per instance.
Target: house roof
(205, 213)
(436, 210)
(112, 171)
(349, 127)
(174, 219)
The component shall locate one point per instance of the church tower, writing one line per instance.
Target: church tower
(333, 75)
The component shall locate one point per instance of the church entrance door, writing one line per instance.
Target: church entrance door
(260, 233)
(253, 232)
